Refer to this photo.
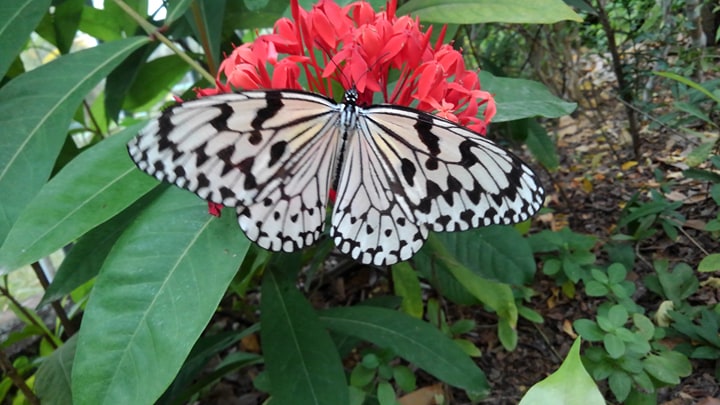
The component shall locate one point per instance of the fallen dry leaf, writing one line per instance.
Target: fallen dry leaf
(430, 395)
(709, 401)
(568, 329)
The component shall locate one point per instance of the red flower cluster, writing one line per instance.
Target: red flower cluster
(355, 44)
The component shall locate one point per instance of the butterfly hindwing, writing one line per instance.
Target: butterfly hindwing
(270, 153)
(368, 222)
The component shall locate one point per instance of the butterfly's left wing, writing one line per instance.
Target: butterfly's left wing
(270, 153)
(408, 172)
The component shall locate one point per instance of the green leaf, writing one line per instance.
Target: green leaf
(497, 296)
(462, 326)
(102, 24)
(521, 98)
(120, 80)
(17, 20)
(35, 111)
(411, 339)
(205, 349)
(125, 24)
(404, 378)
(301, 361)
(700, 174)
(618, 315)
(154, 82)
(407, 286)
(645, 327)
(542, 146)
(570, 384)
(60, 27)
(386, 394)
(156, 292)
(91, 189)
(595, 289)
(709, 263)
(589, 330)
(176, 9)
(679, 284)
(668, 366)
(493, 252)
(507, 334)
(485, 11)
(87, 255)
(688, 82)
(616, 273)
(468, 347)
(52, 382)
(614, 345)
(361, 376)
(620, 384)
(638, 397)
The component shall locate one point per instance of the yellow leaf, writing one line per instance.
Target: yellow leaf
(629, 164)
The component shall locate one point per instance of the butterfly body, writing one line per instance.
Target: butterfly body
(398, 172)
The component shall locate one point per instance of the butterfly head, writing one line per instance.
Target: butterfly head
(351, 96)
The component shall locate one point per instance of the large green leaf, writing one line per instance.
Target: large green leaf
(412, 339)
(485, 11)
(570, 384)
(154, 82)
(18, 18)
(89, 252)
(469, 274)
(155, 294)
(52, 382)
(520, 98)
(91, 189)
(35, 111)
(301, 360)
(496, 252)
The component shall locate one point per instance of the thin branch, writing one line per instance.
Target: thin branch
(155, 33)
(90, 114)
(17, 380)
(51, 339)
(57, 307)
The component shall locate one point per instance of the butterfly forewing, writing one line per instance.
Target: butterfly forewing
(270, 153)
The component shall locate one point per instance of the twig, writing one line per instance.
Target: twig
(623, 86)
(51, 339)
(10, 371)
(679, 226)
(153, 31)
(547, 342)
(57, 307)
(94, 121)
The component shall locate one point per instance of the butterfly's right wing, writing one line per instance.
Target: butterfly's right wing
(268, 153)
